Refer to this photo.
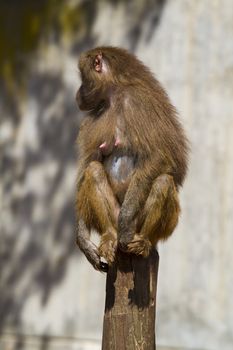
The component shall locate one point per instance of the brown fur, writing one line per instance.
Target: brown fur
(125, 99)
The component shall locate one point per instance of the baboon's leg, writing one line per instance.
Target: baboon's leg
(99, 209)
(159, 216)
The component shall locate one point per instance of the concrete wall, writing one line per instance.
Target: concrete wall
(47, 289)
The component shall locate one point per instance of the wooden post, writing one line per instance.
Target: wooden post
(129, 320)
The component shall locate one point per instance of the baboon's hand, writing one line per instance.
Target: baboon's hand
(91, 253)
(89, 248)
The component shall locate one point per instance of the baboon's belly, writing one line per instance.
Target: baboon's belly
(119, 170)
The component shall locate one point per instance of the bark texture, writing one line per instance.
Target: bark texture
(129, 320)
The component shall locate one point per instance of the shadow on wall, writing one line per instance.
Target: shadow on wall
(39, 157)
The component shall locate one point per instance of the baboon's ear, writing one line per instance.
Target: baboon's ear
(98, 62)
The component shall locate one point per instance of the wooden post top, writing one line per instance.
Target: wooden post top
(129, 320)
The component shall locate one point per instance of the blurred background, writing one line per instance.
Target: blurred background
(50, 297)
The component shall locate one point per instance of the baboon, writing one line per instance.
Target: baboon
(132, 157)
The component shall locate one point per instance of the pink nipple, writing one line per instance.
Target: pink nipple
(103, 145)
(117, 142)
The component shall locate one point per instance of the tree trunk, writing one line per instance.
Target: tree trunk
(129, 320)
